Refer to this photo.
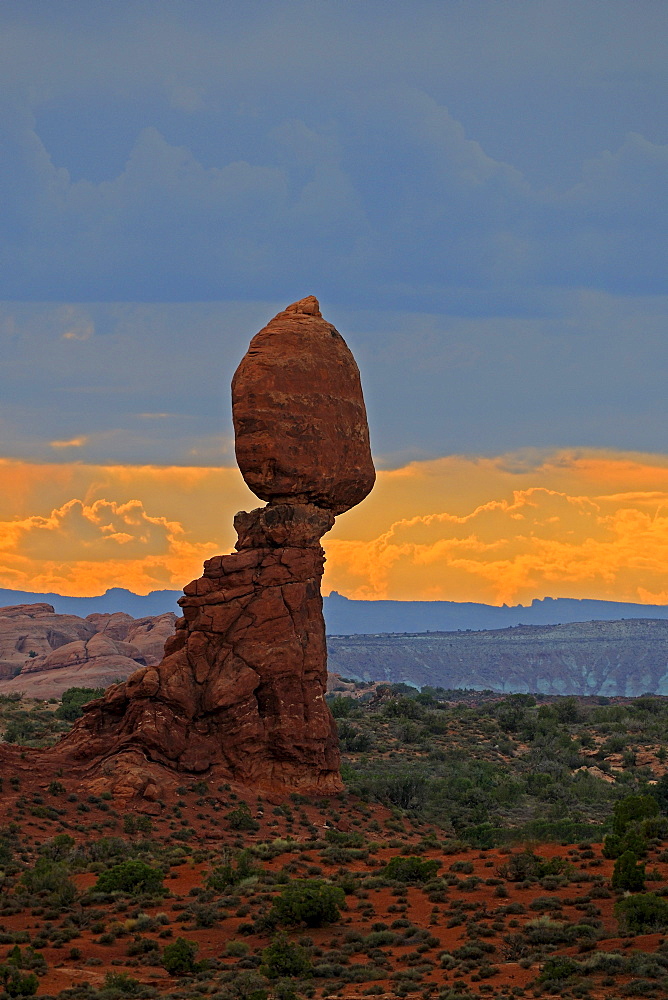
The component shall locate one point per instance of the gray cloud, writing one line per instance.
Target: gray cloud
(209, 151)
(151, 383)
(475, 191)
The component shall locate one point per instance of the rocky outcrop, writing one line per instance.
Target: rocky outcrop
(242, 683)
(43, 653)
(28, 631)
(241, 688)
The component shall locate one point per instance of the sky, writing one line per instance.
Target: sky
(475, 191)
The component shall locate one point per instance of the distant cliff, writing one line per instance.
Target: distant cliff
(592, 658)
(348, 617)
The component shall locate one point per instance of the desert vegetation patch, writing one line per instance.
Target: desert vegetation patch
(482, 847)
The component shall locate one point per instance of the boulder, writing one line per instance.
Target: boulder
(300, 423)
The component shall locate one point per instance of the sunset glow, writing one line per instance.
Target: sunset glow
(501, 529)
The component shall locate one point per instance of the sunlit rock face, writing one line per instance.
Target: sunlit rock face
(241, 688)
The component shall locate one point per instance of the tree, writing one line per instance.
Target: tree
(628, 875)
(16, 984)
(130, 876)
(308, 901)
(410, 869)
(73, 700)
(241, 819)
(179, 958)
(283, 958)
(632, 809)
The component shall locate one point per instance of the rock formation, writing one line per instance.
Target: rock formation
(241, 688)
(43, 653)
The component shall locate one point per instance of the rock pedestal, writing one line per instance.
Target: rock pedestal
(241, 687)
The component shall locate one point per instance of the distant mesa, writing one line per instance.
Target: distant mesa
(240, 691)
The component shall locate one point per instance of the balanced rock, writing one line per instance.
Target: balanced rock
(299, 418)
(241, 689)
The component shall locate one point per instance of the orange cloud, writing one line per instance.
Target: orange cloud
(467, 528)
(542, 542)
(84, 548)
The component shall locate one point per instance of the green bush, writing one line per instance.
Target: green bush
(632, 809)
(628, 875)
(283, 958)
(52, 878)
(408, 869)
(73, 700)
(308, 901)
(226, 874)
(179, 958)
(557, 969)
(122, 986)
(15, 984)
(646, 912)
(241, 819)
(130, 876)
(342, 705)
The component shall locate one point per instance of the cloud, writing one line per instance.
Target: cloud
(492, 529)
(88, 546)
(540, 543)
(399, 201)
(77, 442)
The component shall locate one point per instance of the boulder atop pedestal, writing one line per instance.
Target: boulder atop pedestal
(299, 417)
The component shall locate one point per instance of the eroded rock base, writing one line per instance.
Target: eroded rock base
(242, 684)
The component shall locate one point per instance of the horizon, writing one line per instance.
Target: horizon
(476, 193)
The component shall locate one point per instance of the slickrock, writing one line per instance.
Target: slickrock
(43, 653)
(241, 689)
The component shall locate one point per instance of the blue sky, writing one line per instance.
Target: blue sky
(475, 191)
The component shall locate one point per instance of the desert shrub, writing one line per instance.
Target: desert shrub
(52, 879)
(236, 949)
(131, 876)
(404, 708)
(59, 848)
(283, 958)
(73, 700)
(15, 984)
(645, 912)
(353, 739)
(179, 958)
(241, 819)
(409, 869)
(465, 867)
(28, 959)
(137, 824)
(557, 969)
(121, 986)
(632, 809)
(308, 901)
(527, 866)
(230, 874)
(248, 986)
(341, 706)
(546, 931)
(628, 874)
